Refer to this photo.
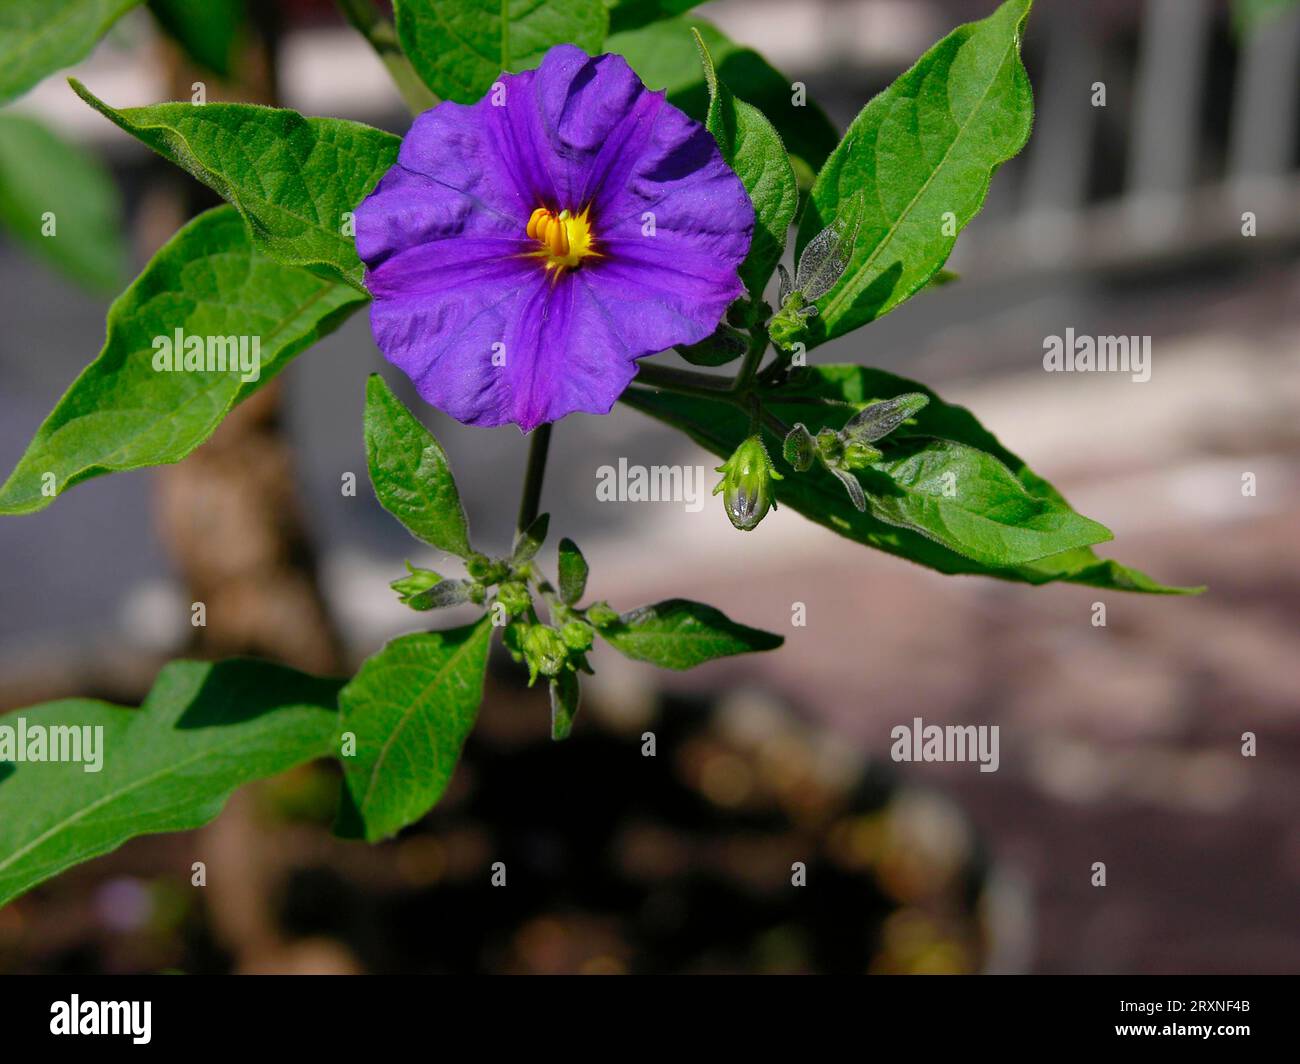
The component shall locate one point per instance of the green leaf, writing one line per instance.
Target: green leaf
(38, 37)
(633, 14)
(573, 572)
(208, 281)
(566, 693)
(754, 150)
(410, 473)
(724, 345)
(296, 180)
(680, 634)
(206, 30)
(972, 504)
(665, 57)
(443, 594)
(410, 707)
(170, 765)
(1252, 16)
(460, 47)
(921, 154)
(825, 397)
(530, 540)
(44, 177)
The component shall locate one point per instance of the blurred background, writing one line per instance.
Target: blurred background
(1119, 744)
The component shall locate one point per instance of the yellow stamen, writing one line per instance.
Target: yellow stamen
(566, 238)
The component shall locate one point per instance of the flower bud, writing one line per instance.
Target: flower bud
(544, 650)
(577, 636)
(514, 596)
(484, 570)
(602, 614)
(799, 449)
(416, 581)
(746, 484)
(830, 448)
(858, 455)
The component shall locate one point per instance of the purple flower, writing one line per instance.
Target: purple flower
(525, 250)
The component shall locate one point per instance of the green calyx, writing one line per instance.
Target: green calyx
(746, 484)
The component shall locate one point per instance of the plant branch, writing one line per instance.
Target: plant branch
(684, 381)
(538, 448)
(383, 39)
(753, 358)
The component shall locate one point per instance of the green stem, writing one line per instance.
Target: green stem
(753, 358)
(533, 476)
(383, 39)
(684, 381)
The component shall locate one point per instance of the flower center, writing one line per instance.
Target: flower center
(566, 238)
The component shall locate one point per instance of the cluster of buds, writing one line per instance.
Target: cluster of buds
(555, 649)
(850, 449)
(548, 650)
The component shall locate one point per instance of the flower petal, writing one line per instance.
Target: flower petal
(452, 272)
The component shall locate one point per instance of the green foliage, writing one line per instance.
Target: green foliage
(754, 150)
(918, 159)
(120, 413)
(529, 541)
(566, 693)
(410, 707)
(460, 47)
(680, 634)
(825, 397)
(38, 37)
(204, 730)
(207, 30)
(295, 180)
(664, 55)
(410, 474)
(573, 572)
(633, 14)
(43, 175)
(874, 457)
(1255, 16)
(972, 504)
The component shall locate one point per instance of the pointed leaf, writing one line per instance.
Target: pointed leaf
(296, 180)
(530, 540)
(170, 765)
(878, 420)
(443, 594)
(121, 413)
(43, 176)
(680, 634)
(752, 148)
(921, 155)
(972, 504)
(411, 707)
(460, 47)
(410, 473)
(39, 37)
